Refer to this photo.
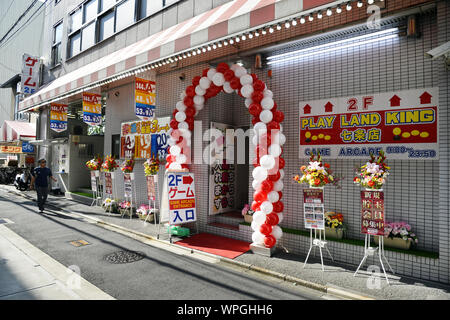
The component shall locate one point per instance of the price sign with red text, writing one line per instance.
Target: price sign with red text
(145, 98)
(58, 117)
(92, 108)
(313, 208)
(108, 183)
(181, 193)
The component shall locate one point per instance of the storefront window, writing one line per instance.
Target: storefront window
(106, 26)
(88, 36)
(125, 14)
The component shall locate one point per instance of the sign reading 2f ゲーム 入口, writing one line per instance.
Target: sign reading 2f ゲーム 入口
(404, 124)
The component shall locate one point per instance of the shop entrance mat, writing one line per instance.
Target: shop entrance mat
(214, 244)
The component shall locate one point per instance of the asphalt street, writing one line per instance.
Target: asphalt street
(161, 274)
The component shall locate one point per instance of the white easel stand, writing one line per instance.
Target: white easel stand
(317, 242)
(133, 195)
(108, 210)
(370, 251)
(95, 201)
(153, 202)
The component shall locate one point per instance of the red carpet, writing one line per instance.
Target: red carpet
(211, 243)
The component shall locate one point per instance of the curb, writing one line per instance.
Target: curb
(297, 281)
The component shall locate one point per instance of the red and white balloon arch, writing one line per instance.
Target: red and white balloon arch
(268, 172)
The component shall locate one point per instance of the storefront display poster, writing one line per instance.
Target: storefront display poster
(372, 213)
(314, 213)
(145, 98)
(108, 183)
(92, 108)
(58, 117)
(181, 196)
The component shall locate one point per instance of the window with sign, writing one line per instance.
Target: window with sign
(56, 47)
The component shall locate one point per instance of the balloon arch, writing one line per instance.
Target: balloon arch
(268, 172)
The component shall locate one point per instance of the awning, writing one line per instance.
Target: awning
(17, 130)
(226, 20)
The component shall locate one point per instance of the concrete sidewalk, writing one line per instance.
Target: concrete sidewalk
(26, 273)
(337, 279)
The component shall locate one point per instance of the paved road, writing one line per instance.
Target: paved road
(160, 275)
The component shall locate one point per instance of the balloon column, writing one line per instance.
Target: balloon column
(268, 172)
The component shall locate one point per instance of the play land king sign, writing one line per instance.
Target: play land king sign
(404, 124)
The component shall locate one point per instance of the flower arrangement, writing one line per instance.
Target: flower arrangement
(151, 166)
(109, 205)
(334, 220)
(94, 164)
(125, 205)
(373, 174)
(316, 174)
(247, 211)
(144, 210)
(127, 166)
(399, 230)
(109, 165)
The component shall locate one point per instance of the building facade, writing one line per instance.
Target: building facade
(103, 52)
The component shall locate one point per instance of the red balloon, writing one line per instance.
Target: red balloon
(265, 229)
(255, 77)
(255, 205)
(205, 72)
(255, 109)
(265, 139)
(170, 158)
(272, 219)
(222, 67)
(196, 81)
(190, 91)
(281, 163)
(188, 102)
(174, 124)
(273, 125)
(258, 85)
(174, 112)
(191, 126)
(266, 186)
(278, 206)
(255, 120)
(228, 75)
(235, 83)
(275, 106)
(278, 116)
(257, 96)
(185, 166)
(274, 177)
(260, 196)
(190, 111)
(280, 195)
(270, 241)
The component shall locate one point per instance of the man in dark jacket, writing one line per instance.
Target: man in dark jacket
(40, 182)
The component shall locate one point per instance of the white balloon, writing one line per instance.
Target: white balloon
(266, 116)
(268, 93)
(248, 102)
(273, 196)
(266, 207)
(278, 185)
(256, 225)
(280, 217)
(227, 87)
(198, 107)
(259, 174)
(259, 217)
(277, 232)
(267, 103)
(182, 95)
(186, 133)
(199, 91)
(274, 150)
(211, 73)
(255, 140)
(180, 116)
(183, 126)
(240, 71)
(260, 128)
(175, 150)
(180, 106)
(247, 90)
(205, 83)
(267, 162)
(281, 138)
(218, 79)
(246, 79)
(281, 173)
(234, 66)
(199, 100)
(171, 142)
(181, 158)
(175, 166)
(256, 185)
(258, 238)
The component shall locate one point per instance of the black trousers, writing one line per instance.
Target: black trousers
(42, 193)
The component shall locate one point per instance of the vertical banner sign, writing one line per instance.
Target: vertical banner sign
(93, 181)
(145, 139)
(108, 183)
(372, 210)
(58, 117)
(92, 108)
(181, 194)
(145, 98)
(404, 124)
(127, 185)
(151, 187)
(313, 209)
(30, 74)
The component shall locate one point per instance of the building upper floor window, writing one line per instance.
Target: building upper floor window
(56, 44)
(125, 14)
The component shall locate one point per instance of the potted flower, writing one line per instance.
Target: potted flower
(151, 166)
(334, 225)
(373, 174)
(247, 213)
(125, 208)
(317, 174)
(109, 205)
(127, 166)
(398, 235)
(94, 164)
(110, 164)
(145, 210)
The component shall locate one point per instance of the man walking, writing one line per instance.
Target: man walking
(40, 182)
